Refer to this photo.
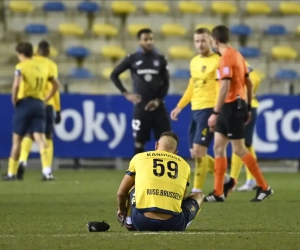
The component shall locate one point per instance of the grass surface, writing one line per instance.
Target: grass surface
(53, 215)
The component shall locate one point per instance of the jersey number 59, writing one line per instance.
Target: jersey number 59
(159, 168)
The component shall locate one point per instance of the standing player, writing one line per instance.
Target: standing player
(28, 98)
(161, 179)
(230, 114)
(151, 83)
(52, 116)
(201, 92)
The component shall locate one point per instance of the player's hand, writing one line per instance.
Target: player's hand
(152, 105)
(212, 122)
(134, 98)
(121, 216)
(249, 117)
(57, 117)
(14, 101)
(174, 113)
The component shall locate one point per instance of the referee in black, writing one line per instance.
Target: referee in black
(149, 72)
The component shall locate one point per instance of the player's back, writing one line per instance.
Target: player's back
(203, 74)
(160, 182)
(34, 79)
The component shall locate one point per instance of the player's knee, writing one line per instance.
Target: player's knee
(199, 151)
(240, 150)
(219, 150)
(197, 196)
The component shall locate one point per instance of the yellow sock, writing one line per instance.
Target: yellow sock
(210, 164)
(248, 173)
(200, 173)
(46, 160)
(236, 166)
(50, 152)
(12, 167)
(25, 149)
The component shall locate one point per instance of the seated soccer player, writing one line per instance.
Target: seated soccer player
(157, 200)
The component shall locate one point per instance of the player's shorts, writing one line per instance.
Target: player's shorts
(249, 130)
(231, 120)
(145, 121)
(190, 209)
(198, 130)
(50, 118)
(29, 116)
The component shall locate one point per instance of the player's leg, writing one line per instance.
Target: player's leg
(26, 146)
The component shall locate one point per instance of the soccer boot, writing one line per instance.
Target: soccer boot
(21, 171)
(261, 195)
(95, 226)
(247, 187)
(229, 186)
(5, 177)
(124, 223)
(48, 177)
(214, 198)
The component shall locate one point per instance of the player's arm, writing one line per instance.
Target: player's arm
(16, 85)
(56, 97)
(249, 91)
(55, 87)
(187, 96)
(165, 80)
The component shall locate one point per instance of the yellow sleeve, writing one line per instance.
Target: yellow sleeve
(56, 97)
(255, 79)
(189, 176)
(187, 96)
(131, 170)
(18, 69)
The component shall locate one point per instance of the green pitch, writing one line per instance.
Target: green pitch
(53, 215)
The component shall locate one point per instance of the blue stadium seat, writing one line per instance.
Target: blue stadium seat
(286, 74)
(275, 30)
(54, 7)
(250, 52)
(88, 7)
(80, 73)
(36, 29)
(241, 30)
(181, 74)
(78, 52)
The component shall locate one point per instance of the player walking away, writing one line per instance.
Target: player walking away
(52, 116)
(161, 179)
(28, 98)
(201, 92)
(230, 115)
(151, 83)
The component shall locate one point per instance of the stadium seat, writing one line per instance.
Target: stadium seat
(286, 74)
(53, 51)
(103, 29)
(159, 7)
(113, 52)
(191, 7)
(284, 52)
(78, 52)
(180, 52)
(250, 52)
(80, 73)
(275, 30)
(89, 7)
(181, 74)
(205, 25)
(36, 29)
(54, 7)
(172, 29)
(240, 30)
(107, 71)
(70, 29)
(134, 28)
(123, 7)
(223, 7)
(21, 6)
(289, 7)
(258, 8)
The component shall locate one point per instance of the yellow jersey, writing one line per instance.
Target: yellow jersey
(202, 88)
(161, 179)
(255, 79)
(34, 79)
(54, 100)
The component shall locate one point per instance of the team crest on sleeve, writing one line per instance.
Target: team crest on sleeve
(225, 70)
(17, 72)
(156, 63)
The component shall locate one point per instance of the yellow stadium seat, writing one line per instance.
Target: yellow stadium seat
(123, 7)
(156, 7)
(134, 28)
(284, 52)
(223, 7)
(289, 8)
(258, 8)
(205, 25)
(107, 71)
(173, 29)
(21, 6)
(53, 51)
(70, 29)
(113, 52)
(103, 29)
(191, 7)
(180, 52)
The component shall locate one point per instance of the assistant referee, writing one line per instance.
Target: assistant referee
(150, 76)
